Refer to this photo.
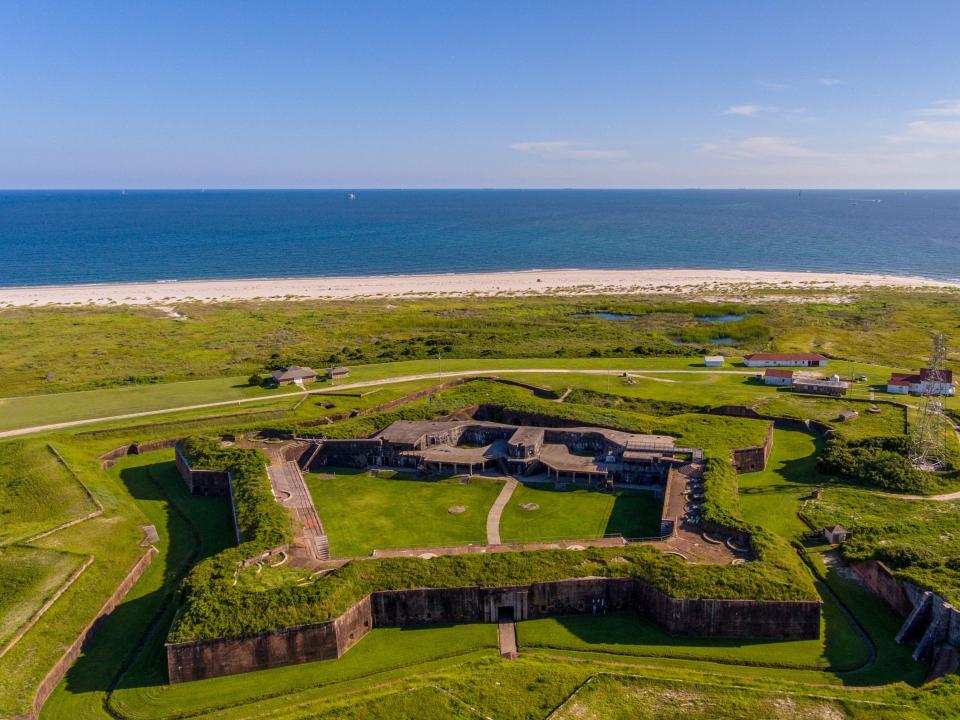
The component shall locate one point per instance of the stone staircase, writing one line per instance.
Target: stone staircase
(322, 547)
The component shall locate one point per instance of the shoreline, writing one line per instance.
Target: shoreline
(568, 282)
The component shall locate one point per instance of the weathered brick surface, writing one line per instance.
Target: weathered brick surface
(426, 606)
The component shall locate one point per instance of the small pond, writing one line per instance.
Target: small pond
(606, 316)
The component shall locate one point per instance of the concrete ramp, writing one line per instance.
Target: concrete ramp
(291, 491)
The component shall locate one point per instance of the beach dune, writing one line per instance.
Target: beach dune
(532, 282)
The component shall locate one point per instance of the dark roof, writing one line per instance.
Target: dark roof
(294, 372)
(903, 379)
(773, 372)
(340, 370)
(784, 356)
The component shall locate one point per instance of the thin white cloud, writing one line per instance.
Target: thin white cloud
(747, 110)
(772, 85)
(760, 147)
(929, 131)
(829, 81)
(942, 108)
(566, 150)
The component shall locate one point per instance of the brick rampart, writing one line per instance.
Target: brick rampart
(305, 643)
(878, 577)
(426, 606)
(753, 459)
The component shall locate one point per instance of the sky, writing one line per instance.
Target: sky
(471, 93)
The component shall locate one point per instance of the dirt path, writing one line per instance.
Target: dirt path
(496, 510)
(356, 386)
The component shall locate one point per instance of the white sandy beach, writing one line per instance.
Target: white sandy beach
(534, 282)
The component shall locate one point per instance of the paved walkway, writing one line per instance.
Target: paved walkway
(291, 491)
(507, 637)
(356, 385)
(496, 510)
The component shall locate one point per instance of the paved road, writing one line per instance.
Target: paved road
(496, 510)
(357, 386)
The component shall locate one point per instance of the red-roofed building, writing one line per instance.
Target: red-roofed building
(778, 377)
(920, 384)
(785, 360)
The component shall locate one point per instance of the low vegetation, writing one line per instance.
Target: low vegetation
(261, 521)
(879, 462)
(37, 491)
(918, 539)
(57, 349)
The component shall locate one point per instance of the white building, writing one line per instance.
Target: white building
(920, 384)
(778, 377)
(713, 360)
(785, 360)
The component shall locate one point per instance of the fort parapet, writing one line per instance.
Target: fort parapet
(755, 619)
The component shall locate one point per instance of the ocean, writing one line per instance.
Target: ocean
(66, 237)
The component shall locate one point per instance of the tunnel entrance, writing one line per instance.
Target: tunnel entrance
(505, 614)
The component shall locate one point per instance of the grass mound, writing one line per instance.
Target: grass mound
(28, 578)
(37, 492)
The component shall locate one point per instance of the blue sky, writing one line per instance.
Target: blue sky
(479, 94)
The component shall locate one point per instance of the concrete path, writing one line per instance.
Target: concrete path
(507, 637)
(496, 510)
(291, 491)
(355, 386)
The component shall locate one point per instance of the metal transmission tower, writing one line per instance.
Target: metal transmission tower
(928, 438)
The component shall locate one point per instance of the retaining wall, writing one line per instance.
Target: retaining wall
(753, 619)
(878, 577)
(59, 670)
(306, 643)
(753, 459)
(201, 482)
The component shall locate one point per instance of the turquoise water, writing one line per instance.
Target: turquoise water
(108, 236)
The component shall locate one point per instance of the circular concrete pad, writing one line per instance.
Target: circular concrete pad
(530, 506)
(457, 509)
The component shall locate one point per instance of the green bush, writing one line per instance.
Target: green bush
(875, 462)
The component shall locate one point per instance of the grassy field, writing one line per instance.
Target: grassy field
(124, 359)
(772, 497)
(626, 698)
(28, 578)
(361, 513)
(37, 492)
(918, 539)
(628, 634)
(51, 349)
(576, 513)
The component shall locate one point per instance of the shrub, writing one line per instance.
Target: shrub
(877, 462)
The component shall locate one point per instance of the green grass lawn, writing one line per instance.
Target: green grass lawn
(29, 576)
(577, 513)
(889, 421)
(613, 697)
(384, 650)
(37, 492)
(773, 496)
(840, 647)
(361, 513)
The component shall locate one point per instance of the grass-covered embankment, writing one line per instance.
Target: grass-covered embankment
(261, 521)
